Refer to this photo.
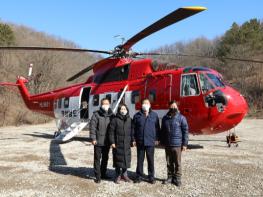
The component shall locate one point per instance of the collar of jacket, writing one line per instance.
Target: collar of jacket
(102, 112)
(122, 117)
(171, 117)
(142, 113)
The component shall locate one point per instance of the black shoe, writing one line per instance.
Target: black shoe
(152, 181)
(177, 182)
(137, 180)
(167, 181)
(97, 180)
(105, 177)
(117, 180)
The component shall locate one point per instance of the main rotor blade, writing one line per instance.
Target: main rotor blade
(87, 69)
(32, 48)
(170, 19)
(80, 73)
(204, 56)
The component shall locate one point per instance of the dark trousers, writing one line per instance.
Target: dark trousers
(101, 156)
(173, 159)
(121, 171)
(141, 150)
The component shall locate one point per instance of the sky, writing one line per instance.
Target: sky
(93, 24)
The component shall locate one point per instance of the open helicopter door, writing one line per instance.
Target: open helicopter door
(84, 103)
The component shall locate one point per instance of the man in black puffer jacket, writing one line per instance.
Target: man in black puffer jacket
(174, 136)
(99, 124)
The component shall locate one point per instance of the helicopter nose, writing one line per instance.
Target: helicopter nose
(236, 109)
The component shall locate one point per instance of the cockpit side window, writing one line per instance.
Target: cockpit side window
(189, 85)
(205, 84)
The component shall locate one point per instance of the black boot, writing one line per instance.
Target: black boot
(97, 180)
(177, 181)
(168, 180)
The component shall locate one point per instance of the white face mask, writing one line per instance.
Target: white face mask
(145, 107)
(123, 112)
(105, 107)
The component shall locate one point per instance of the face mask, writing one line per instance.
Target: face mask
(105, 107)
(123, 112)
(173, 110)
(145, 107)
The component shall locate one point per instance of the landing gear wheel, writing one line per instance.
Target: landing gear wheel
(232, 138)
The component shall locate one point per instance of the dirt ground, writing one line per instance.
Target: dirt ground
(31, 164)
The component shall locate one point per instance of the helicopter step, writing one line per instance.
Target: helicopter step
(70, 132)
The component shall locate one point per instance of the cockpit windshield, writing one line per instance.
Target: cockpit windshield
(205, 83)
(215, 79)
(209, 81)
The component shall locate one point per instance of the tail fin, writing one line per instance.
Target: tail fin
(20, 83)
(23, 90)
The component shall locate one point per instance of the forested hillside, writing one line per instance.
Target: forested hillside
(51, 69)
(240, 41)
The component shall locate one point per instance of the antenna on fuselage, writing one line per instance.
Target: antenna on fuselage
(120, 37)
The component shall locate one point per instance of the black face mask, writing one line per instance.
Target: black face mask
(173, 110)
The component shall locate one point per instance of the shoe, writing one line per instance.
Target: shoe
(105, 177)
(97, 180)
(117, 180)
(152, 181)
(177, 182)
(137, 180)
(126, 179)
(168, 181)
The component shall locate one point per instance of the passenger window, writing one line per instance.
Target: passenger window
(123, 98)
(114, 74)
(152, 95)
(59, 103)
(108, 96)
(66, 102)
(55, 104)
(135, 98)
(96, 100)
(189, 85)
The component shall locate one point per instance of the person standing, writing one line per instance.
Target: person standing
(100, 139)
(146, 131)
(174, 136)
(120, 131)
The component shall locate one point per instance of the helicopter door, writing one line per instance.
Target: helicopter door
(190, 97)
(84, 104)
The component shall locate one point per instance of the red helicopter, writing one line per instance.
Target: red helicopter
(210, 105)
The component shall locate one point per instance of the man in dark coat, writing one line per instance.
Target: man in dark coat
(146, 134)
(100, 139)
(174, 136)
(120, 132)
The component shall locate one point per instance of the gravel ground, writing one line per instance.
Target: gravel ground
(32, 165)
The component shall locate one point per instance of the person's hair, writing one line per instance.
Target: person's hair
(145, 99)
(172, 102)
(104, 99)
(120, 106)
